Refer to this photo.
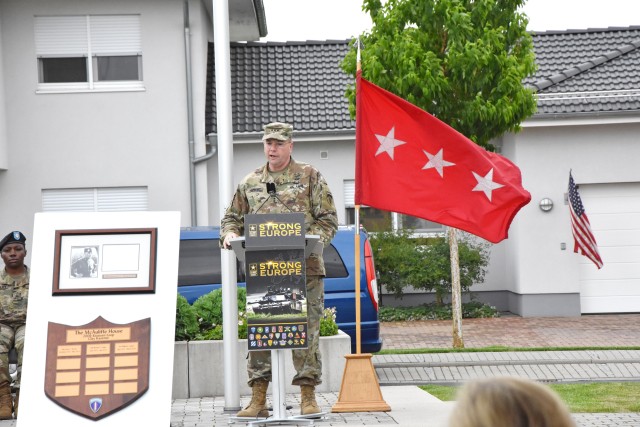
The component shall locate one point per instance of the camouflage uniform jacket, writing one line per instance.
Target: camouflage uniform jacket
(302, 188)
(13, 298)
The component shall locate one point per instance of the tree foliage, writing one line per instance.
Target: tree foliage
(424, 263)
(463, 61)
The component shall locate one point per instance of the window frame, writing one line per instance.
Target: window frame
(101, 36)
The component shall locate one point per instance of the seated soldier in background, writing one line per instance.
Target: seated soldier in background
(14, 289)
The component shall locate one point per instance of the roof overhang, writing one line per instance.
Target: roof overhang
(581, 119)
(247, 21)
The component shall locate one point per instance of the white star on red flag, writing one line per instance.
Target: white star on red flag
(437, 162)
(486, 184)
(388, 143)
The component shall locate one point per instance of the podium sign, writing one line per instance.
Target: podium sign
(99, 368)
(276, 285)
(274, 231)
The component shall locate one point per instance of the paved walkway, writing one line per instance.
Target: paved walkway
(398, 374)
(609, 330)
(542, 366)
(410, 406)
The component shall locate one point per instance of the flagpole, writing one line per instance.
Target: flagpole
(357, 242)
(360, 389)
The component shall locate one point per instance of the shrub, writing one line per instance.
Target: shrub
(328, 325)
(203, 319)
(186, 320)
(208, 308)
(470, 310)
(424, 263)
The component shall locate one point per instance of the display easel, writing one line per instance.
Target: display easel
(312, 245)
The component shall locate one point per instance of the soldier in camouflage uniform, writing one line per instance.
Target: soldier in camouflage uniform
(299, 188)
(14, 289)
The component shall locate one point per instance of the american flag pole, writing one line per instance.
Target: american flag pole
(584, 240)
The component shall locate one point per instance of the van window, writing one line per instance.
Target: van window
(199, 262)
(333, 264)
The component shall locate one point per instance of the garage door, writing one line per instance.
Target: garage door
(614, 213)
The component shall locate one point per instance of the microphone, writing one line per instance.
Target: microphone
(271, 189)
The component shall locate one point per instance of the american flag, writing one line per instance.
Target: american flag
(584, 241)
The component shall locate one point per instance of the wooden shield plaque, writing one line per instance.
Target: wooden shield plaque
(99, 368)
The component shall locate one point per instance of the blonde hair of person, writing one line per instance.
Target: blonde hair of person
(509, 402)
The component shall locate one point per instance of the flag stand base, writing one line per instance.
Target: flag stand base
(360, 390)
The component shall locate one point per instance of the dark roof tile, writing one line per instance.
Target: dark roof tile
(579, 71)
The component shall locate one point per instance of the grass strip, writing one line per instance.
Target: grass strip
(598, 397)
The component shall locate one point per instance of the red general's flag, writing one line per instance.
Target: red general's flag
(408, 161)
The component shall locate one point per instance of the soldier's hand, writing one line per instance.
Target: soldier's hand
(227, 240)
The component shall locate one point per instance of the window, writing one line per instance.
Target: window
(88, 52)
(199, 263)
(333, 264)
(378, 220)
(114, 199)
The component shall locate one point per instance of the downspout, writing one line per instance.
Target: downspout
(192, 168)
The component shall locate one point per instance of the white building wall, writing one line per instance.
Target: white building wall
(248, 156)
(66, 140)
(597, 153)
(4, 161)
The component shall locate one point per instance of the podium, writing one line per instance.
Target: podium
(274, 250)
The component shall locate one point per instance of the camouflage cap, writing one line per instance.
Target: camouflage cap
(277, 130)
(13, 237)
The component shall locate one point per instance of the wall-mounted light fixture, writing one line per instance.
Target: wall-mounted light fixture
(546, 204)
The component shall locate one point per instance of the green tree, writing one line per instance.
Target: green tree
(463, 61)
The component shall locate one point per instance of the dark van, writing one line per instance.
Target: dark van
(199, 273)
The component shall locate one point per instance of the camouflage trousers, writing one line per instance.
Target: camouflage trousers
(307, 362)
(10, 337)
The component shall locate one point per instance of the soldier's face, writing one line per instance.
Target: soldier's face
(13, 254)
(278, 153)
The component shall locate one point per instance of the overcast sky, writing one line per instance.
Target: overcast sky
(297, 20)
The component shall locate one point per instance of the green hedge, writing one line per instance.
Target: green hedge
(203, 319)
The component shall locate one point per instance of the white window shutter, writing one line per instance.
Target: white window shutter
(122, 199)
(76, 199)
(115, 34)
(61, 35)
(95, 199)
(349, 189)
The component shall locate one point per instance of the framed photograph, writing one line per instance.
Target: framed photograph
(104, 261)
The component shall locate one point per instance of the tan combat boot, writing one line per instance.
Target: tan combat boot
(257, 408)
(308, 404)
(6, 401)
